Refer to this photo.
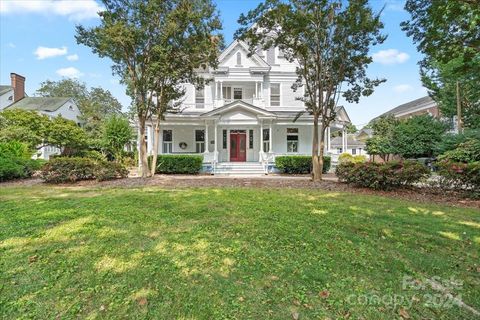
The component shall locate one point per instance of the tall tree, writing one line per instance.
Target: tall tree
(447, 32)
(381, 143)
(330, 42)
(134, 34)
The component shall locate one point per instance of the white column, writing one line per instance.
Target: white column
(261, 136)
(261, 89)
(256, 89)
(206, 137)
(141, 136)
(216, 90)
(149, 139)
(215, 139)
(343, 141)
(221, 90)
(270, 138)
(346, 140)
(328, 139)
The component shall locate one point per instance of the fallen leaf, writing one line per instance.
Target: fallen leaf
(324, 294)
(32, 259)
(102, 308)
(274, 278)
(241, 299)
(142, 302)
(403, 313)
(296, 302)
(295, 315)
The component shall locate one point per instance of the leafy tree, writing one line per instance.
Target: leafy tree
(451, 141)
(381, 143)
(117, 132)
(29, 127)
(66, 135)
(447, 33)
(95, 103)
(137, 35)
(418, 136)
(330, 41)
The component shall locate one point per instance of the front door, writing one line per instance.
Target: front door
(238, 145)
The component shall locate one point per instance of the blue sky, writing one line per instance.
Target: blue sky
(37, 41)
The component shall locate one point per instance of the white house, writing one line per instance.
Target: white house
(244, 117)
(14, 98)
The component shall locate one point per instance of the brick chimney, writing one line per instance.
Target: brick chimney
(18, 84)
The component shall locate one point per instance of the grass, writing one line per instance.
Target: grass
(233, 253)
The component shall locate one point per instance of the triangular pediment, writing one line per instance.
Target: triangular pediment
(228, 58)
(239, 109)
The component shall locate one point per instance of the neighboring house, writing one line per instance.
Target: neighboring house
(349, 145)
(424, 105)
(49, 106)
(247, 113)
(364, 134)
(6, 96)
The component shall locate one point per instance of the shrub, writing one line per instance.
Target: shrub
(299, 164)
(457, 175)
(70, 169)
(10, 169)
(15, 149)
(468, 151)
(347, 157)
(382, 176)
(184, 164)
(110, 171)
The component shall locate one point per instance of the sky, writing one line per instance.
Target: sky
(37, 41)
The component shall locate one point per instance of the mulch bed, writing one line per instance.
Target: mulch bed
(422, 195)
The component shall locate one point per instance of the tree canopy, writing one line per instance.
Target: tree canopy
(330, 42)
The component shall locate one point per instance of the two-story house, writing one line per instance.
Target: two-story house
(244, 117)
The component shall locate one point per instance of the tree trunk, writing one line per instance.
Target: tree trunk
(156, 140)
(316, 161)
(142, 155)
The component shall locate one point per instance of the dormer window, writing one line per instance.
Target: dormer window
(239, 59)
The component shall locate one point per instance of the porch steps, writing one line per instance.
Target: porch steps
(239, 169)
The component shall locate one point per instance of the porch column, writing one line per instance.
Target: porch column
(261, 89)
(328, 139)
(216, 90)
(270, 138)
(205, 138)
(256, 89)
(215, 148)
(261, 136)
(221, 90)
(141, 137)
(343, 141)
(149, 139)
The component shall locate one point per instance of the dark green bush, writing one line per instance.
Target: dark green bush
(461, 176)
(382, 176)
(299, 164)
(185, 164)
(11, 168)
(70, 169)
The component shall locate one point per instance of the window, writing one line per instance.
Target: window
(199, 141)
(224, 142)
(275, 94)
(250, 139)
(167, 141)
(292, 139)
(266, 140)
(354, 151)
(227, 93)
(199, 98)
(237, 93)
(339, 150)
(239, 59)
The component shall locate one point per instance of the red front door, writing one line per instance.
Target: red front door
(238, 146)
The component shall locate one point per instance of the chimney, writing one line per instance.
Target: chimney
(18, 84)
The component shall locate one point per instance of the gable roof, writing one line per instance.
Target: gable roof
(411, 106)
(5, 89)
(341, 110)
(238, 104)
(48, 104)
(255, 57)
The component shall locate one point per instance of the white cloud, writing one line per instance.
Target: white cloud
(44, 52)
(390, 56)
(72, 57)
(395, 5)
(12, 45)
(401, 88)
(69, 72)
(74, 10)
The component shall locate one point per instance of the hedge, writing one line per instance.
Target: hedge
(383, 176)
(299, 164)
(18, 168)
(462, 176)
(72, 169)
(180, 164)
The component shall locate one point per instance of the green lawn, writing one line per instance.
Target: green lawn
(230, 254)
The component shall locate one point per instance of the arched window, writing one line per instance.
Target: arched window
(239, 59)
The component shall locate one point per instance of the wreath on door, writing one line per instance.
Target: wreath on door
(182, 145)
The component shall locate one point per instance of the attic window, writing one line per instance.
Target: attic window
(239, 59)
(70, 107)
(10, 98)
